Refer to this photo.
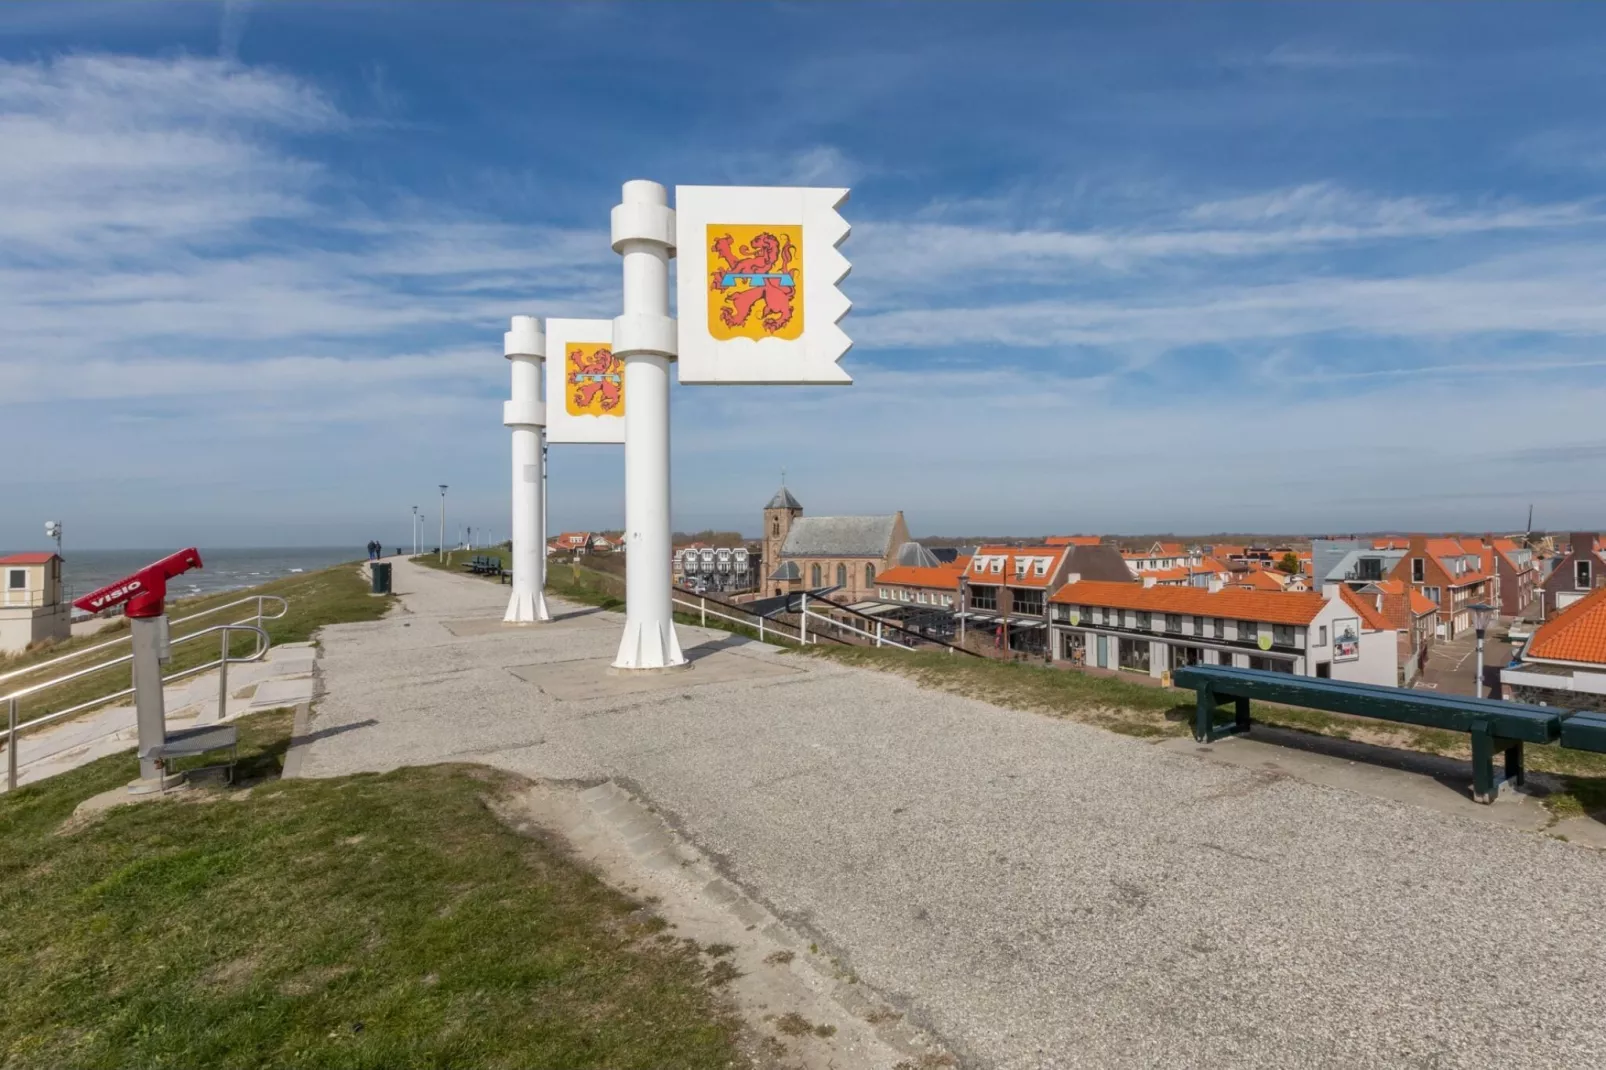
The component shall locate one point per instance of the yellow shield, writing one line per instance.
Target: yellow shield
(755, 281)
(593, 380)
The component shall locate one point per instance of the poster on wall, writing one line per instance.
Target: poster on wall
(758, 268)
(585, 383)
(1346, 639)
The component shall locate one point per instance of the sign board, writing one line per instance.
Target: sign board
(758, 268)
(585, 383)
(1347, 639)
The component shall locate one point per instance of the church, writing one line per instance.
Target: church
(806, 553)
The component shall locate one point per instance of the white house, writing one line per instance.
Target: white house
(31, 606)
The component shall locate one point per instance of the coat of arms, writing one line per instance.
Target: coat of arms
(594, 380)
(755, 278)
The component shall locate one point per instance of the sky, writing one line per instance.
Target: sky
(1116, 268)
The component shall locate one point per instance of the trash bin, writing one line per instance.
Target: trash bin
(381, 574)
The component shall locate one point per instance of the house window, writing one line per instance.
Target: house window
(1042, 566)
(841, 578)
(1219, 628)
(1173, 622)
(1321, 635)
(1282, 634)
(998, 564)
(1027, 602)
(775, 530)
(1431, 594)
(1246, 631)
(1145, 619)
(882, 592)
(1417, 574)
(947, 599)
(814, 579)
(1198, 625)
(922, 597)
(984, 598)
(17, 579)
(1583, 575)
(1133, 654)
(869, 575)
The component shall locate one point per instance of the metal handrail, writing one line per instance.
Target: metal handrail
(258, 617)
(15, 730)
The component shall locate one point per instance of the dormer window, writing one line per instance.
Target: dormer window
(1042, 566)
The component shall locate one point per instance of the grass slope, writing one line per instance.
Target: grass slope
(381, 921)
(329, 596)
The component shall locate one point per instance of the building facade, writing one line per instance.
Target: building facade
(1564, 663)
(1155, 630)
(813, 553)
(31, 605)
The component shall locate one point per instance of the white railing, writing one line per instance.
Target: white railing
(256, 618)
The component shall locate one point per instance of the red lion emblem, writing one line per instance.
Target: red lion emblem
(764, 264)
(598, 373)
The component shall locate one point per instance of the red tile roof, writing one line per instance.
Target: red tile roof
(1009, 576)
(1271, 607)
(1371, 616)
(1259, 581)
(943, 577)
(37, 558)
(1073, 540)
(1577, 633)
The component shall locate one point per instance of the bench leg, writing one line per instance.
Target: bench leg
(1241, 714)
(1515, 772)
(1483, 785)
(1204, 715)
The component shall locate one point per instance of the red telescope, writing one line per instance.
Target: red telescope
(145, 590)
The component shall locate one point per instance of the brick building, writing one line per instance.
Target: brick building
(807, 553)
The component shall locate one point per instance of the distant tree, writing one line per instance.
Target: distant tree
(1289, 563)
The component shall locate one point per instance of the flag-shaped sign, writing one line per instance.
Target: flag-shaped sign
(585, 383)
(758, 274)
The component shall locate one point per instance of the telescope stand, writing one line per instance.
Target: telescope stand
(149, 639)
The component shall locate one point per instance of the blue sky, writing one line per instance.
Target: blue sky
(1117, 268)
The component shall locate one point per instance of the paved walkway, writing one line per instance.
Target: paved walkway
(1040, 893)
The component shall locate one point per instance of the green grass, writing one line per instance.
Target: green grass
(382, 921)
(329, 596)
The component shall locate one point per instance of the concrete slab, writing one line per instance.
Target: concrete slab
(1442, 784)
(282, 692)
(595, 678)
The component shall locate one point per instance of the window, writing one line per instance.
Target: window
(775, 530)
(947, 599)
(1417, 574)
(1198, 625)
(1282, 634)
(984, 598)
(17, 579)
(881, 591)
(1324, 669)
(1042, 566)
(1219, 628)
(1133, 654)
(922, 597)
(1027, 603)
(1321, 636)
(869, 575)
(1583, 576)
(998, 564)
(1431, 594)
(814, 580)
(1145, 619)
(1247, 631)
(841, 579)
(1173, 622)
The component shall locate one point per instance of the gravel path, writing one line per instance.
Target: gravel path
(1038, 892)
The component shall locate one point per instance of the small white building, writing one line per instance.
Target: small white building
(31, 606)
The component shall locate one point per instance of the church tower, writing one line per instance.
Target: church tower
(778, 517)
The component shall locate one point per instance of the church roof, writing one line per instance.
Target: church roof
(787, 571)
(916, 556)
(783, 500)
(840, 536)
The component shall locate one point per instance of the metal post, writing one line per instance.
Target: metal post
(415, 531)
(223, 677)
(440, 550)
(151, 717)
(760, 627)
(1477, 683)
(703, 602)
(803, 621)
(643, 233)
(11, 748)
(877, 633)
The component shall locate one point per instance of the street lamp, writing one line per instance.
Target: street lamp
(440, 551)
(415, 531)
(1481, 612)
(53, 531)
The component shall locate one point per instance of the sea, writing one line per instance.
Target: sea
(222, 569)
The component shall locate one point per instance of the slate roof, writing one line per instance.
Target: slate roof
(1099, 561)
(783, 500)
(912, 553)
(840, 536)
(788, 571)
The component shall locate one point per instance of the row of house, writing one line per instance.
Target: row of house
(585, 542)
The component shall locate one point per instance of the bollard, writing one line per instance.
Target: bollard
(704, 603)
(223, 678)
(11, 748)
(803, 621)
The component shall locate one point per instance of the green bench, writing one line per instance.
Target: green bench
(1492, 724)
(486, 566)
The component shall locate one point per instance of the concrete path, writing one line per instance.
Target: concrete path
(1039, 893)
(283, 678)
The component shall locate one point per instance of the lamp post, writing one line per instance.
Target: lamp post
(440, 551)
(415, 531)
(1481, 612)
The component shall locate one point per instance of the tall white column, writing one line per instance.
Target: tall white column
(644, 338)
(525, 348)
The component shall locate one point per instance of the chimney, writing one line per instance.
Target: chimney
(1215, 585)
(1330, 590)
(1148, 579)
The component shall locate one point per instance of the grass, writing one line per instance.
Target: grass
(382, 921)
(328, 596)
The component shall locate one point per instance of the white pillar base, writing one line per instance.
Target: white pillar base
(526, 607)
(649, 645)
